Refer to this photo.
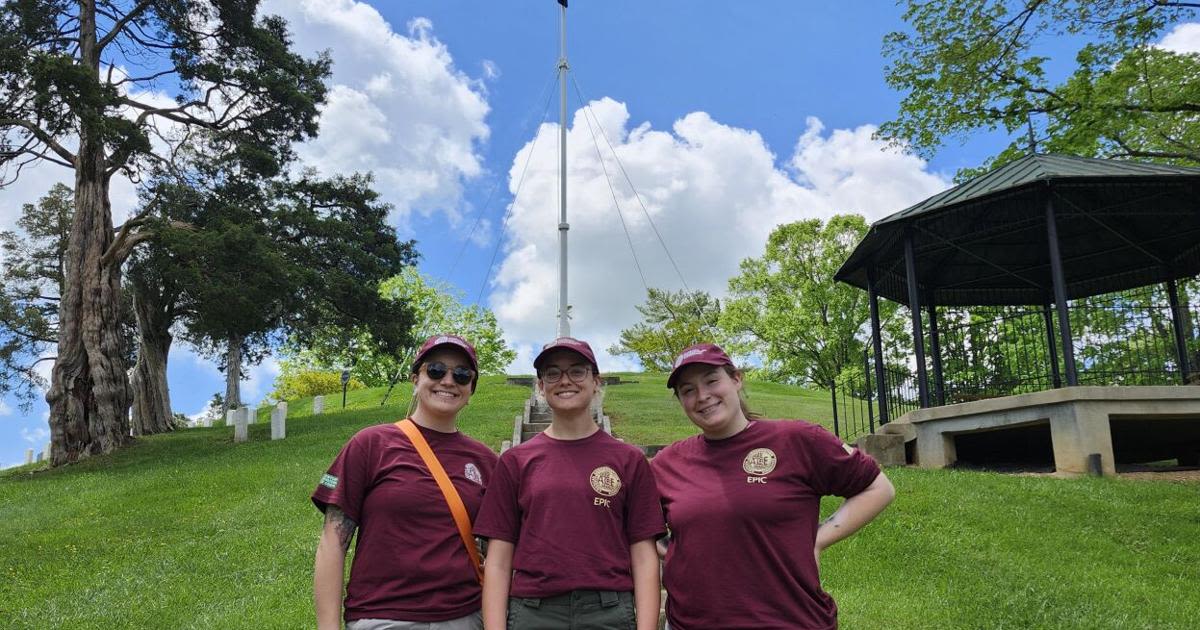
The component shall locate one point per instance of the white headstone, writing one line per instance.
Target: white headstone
(230, 417)
(29, 456)
(39, 457)
(279, 422)
(241, 431)
(318, 405)
(46, 453)
(251, 414)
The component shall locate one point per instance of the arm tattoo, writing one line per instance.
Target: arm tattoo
(345, 526)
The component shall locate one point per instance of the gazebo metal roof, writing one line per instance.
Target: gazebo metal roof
(1120, 225)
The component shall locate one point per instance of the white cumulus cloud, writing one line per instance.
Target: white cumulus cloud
(398, 106)
(713, 191)
(1184, 38)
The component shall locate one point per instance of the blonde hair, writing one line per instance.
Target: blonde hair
(732, 372)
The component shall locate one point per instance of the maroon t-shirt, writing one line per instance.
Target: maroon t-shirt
(572, 508)
(743, 516)
(409, 560)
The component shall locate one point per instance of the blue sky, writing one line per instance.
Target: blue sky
(728, 117)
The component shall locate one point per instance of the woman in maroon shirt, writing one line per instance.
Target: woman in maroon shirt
(742, 502)
(571, 516)
(410, 566)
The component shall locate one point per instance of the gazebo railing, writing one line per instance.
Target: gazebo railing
(1125, 338)
(856, 409)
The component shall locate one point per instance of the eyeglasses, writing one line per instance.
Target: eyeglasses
(437, 371)
(577, 373)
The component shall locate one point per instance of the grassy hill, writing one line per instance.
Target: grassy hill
(189, 530)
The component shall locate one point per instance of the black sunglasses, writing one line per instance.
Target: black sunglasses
(437, 371)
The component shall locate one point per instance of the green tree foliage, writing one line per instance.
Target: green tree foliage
(671, 321)
(786, 308)
(260, 258)
(77, 88)
(30, 284)
(436, 307)
(975, 65)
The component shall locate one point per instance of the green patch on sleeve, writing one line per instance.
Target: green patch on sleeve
(329, 481)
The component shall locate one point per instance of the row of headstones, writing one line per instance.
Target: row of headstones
(242, 418)
(239, 419)
(43, 455)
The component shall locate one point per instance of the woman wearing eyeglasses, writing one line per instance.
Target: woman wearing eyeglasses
(571, 515)
(742, 500)
(411, 568)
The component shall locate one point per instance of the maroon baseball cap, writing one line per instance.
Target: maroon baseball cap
(567, 343)
(436, 341)
(706, 353)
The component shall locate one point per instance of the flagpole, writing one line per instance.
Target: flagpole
(564, 324)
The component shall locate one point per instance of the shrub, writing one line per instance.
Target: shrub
(310, 383)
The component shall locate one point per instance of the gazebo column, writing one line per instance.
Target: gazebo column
(1055, 377)
(877, 347)
(935, 348)
(1060, 293)
(1177, 325)
(914, 307)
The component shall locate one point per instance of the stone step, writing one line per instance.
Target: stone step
(887, 449)
(904, 429)
(536, 427)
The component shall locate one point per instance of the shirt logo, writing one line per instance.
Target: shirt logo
(472, 473)
(329, 481)
(605, 481)
(760, 461)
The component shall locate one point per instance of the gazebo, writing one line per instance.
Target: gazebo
(1037, 232)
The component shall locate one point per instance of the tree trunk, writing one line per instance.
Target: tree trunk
(89, 391)
(233, 373)
(151, 399)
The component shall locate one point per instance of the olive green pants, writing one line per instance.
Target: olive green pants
(577, 610)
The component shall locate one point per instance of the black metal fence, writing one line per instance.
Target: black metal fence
(857, 409)
(1125, 338)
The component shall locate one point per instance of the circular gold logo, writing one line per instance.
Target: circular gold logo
(760, 461)
(605, 481)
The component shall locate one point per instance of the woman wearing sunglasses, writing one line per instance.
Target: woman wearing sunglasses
(742, 501)
(571, 515)
(411, 568)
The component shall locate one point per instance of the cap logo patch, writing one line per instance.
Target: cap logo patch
(760, 461)
(687, 355)
(329, 481)
(605, 481)
(571, 341)
(472, 472)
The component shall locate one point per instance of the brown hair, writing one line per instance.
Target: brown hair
(732, 372)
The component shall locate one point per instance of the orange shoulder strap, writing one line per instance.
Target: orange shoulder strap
(457, 509)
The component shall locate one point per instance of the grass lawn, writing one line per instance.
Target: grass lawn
(189, 530)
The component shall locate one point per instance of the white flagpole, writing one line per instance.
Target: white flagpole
(564, 324)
